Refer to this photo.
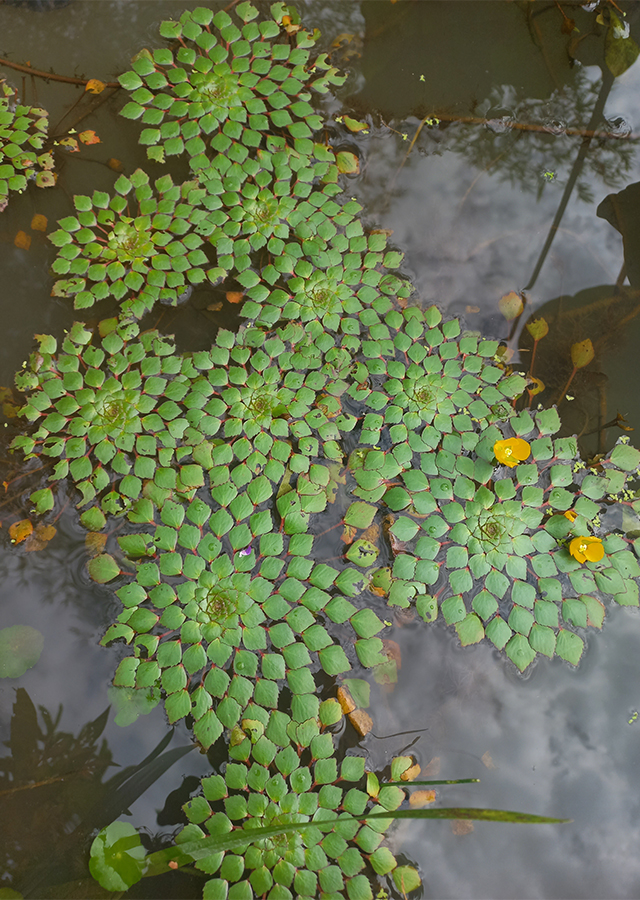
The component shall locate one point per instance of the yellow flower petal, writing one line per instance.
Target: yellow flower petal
(586, 548)
(571, 515)
(511, 451)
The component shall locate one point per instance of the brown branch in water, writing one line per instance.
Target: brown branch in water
(530, 126)
(36, 784)
(515, 126)
(67, 79)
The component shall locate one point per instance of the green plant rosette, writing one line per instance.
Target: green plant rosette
(229, 83)
(139, 249)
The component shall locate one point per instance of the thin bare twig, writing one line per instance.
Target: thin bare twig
(67, 79)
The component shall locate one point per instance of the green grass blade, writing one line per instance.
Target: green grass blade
(407, 784)
(185, 854)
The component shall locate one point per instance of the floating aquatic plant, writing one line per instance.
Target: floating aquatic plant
(106, 412)
(226, 83)
(138, 250)
(23, 132)
(333, 399)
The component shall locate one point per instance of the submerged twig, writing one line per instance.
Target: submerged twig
(67, 79)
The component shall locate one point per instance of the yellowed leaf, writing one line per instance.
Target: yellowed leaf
(582, 353)
(349, 533)
(46, 179)
(10, 411)
(289, 25)
(536, 386)
(472, 309)
(215, 307)
(361, 721)
(538, 328)
(511, 305)
(345, 700)
(94, 543)
(411, 773)
(69, 144)
(19, 531)
(421, 798)
(46, 161)
(234, 296)
(40, 537)
(115, 164)
(39, 222)
(372, 533)
(95, 86)
(22, 240)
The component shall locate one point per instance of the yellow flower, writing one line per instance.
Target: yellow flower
(586, 549)
(571, 515)
(511, 451)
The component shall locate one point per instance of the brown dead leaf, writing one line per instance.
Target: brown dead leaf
(39, 223)
(95, 86)
(411, 773)
(392, 652)
(215, 307)
(94, 543)
(461, 826)
(234, 296)
(345, 700)
(487, 761)
(20, 531)
(89, 137)
(115, 164)
(472, 309)
(372, 533)
(361, 721)
(40, 537)
(421, 798)
(22, 240)
(432, 768)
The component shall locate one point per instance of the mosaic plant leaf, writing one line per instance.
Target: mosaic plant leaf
(23, 131)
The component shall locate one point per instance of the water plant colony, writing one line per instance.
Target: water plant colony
(340, 402)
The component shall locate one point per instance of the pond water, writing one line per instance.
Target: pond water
(471, 202)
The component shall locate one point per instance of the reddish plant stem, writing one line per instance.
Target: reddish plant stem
(562, 394)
